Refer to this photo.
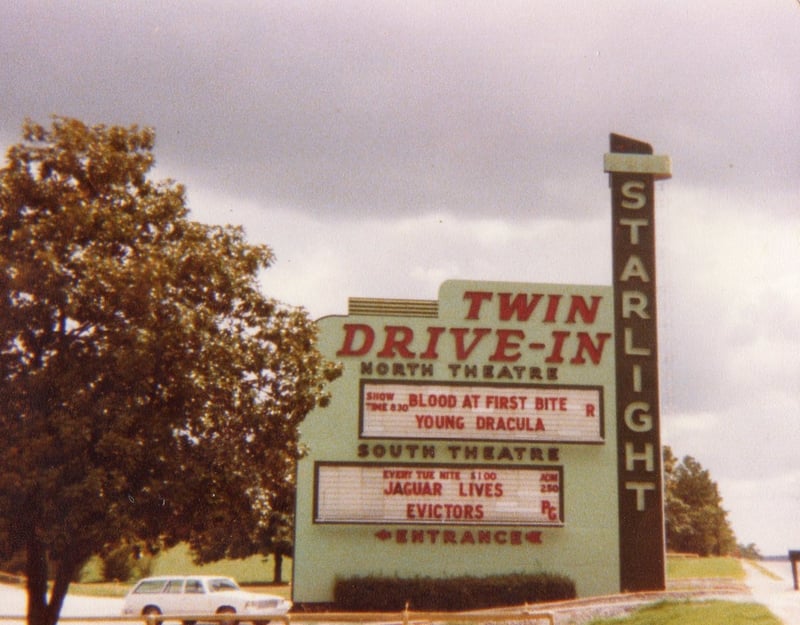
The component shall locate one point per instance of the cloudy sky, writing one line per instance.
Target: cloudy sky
(383, 147)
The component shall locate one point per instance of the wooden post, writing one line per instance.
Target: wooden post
(794, 556)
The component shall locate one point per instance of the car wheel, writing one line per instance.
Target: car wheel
(189, 622)
(260, 622)
(150, 612)
(227, 610)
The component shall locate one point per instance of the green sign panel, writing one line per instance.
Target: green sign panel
(470, 435)
(502, 428)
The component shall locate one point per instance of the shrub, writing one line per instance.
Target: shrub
(391, 594)
(124, 563)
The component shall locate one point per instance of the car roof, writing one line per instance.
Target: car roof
(158, 578)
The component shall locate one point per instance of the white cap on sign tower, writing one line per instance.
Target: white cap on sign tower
(659, 166)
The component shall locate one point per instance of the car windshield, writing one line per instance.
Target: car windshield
(221, 584)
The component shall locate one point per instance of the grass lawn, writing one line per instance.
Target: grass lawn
(684, 568)
(697, 613)
(254, 572)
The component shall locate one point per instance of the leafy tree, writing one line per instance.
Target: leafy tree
(148, 389)
(124, 562)
(245, 527)
(749, 551)
(676, 511)
(695, 521)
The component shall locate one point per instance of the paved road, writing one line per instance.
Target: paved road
(778, 595)
(13, 602)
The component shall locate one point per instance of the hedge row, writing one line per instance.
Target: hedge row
(390, 594)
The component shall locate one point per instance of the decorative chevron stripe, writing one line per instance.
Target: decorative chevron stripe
(393, 307)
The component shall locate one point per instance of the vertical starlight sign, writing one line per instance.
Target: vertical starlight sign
(633, 169)
(513, 425)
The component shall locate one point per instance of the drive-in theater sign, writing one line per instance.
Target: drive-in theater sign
(503, 428)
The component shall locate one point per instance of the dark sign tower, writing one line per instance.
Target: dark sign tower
(633, 169)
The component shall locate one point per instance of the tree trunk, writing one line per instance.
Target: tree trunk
(44, 610)
(36, 572)
(277, 570)
(64, 575)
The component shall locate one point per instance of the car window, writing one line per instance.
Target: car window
(148, 586)
(218, 585)
(174, 586)
(194, 586)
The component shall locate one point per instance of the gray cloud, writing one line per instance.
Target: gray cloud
(363, 107)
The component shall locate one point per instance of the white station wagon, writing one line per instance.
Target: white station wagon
(200, 595)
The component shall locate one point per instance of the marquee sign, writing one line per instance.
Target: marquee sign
(433, 494)
(481, 412)
(513, 422)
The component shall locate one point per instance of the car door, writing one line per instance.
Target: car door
(173, 598)
(195, 599)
